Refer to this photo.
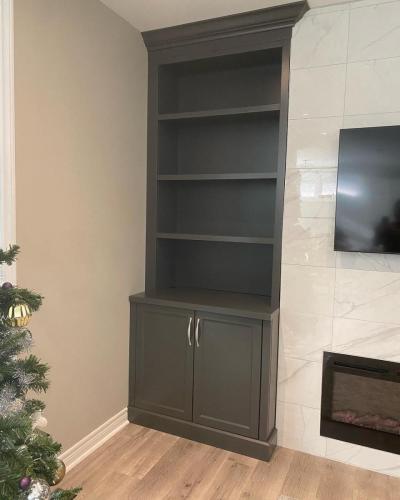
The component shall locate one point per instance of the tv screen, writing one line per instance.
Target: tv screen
(368, 190)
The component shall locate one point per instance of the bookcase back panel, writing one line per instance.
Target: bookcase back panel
(234, 207)
(240, 144)
(230, 267)
(248, 79)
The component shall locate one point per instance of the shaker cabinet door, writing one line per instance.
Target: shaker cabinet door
(164, 361)
(227, 373)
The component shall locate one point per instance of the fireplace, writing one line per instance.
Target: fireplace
(361, 401)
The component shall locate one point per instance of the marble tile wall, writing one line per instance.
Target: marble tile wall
(345, 72)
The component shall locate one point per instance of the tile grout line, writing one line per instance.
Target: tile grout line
(343, 121)
(344, 115)
(347, 6)
(307, 169)
(378, 3)
(299, 404)
(345, 62)
(340, 268)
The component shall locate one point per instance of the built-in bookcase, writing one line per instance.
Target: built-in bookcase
(204, 335)
(218, 127)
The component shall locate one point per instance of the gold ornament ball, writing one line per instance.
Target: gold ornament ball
(60, 473)
(19, 315)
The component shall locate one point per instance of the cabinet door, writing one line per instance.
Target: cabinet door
(164, 361)
(227, 373)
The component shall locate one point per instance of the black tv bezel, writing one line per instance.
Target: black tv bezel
(335, 249)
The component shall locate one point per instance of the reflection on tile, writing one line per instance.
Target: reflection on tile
(368, 261)
(313, 143)
(356, 4)
(320, 40)
(374, 32)
(365, 338)
(304, 336)
(367, 295)
(320, 7)
(317, 92)
(367, 458)
(373, 87)
(375, 120)
(299, 382)
(307, 290)
(308, 242)
(310, 193)
(298, 429)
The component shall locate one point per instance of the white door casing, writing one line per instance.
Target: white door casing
(7, 135)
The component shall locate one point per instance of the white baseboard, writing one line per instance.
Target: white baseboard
(94, 440)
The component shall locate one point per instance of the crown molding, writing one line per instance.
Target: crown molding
(256, 21)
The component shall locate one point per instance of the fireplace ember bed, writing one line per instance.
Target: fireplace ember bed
(361, 401)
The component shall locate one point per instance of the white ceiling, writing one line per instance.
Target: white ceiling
(152, 14)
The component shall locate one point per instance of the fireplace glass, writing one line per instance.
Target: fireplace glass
(361, 401)
(366, 402)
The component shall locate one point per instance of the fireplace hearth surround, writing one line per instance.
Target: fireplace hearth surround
(361, 401)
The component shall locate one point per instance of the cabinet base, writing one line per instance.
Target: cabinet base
(214, 437)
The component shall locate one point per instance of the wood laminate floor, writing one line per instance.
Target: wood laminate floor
(139, 463)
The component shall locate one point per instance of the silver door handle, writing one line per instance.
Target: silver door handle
(196, 335)
(188, 331)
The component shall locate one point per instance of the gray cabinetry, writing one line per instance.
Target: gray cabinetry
(164, 361)
(227, 373)
(204, 334)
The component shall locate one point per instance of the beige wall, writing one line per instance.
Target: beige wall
(80, 82)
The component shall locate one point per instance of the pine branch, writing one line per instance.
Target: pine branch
(44, 451)
(14, 430)
(65, 494)
(9, 256)
(34, 405)
(24, 374)
(8, 481)
(11, 296)
(24, 451)
(13, 341)
(37, 370)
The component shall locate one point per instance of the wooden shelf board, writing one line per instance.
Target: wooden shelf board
(217, 238)
(245, 305)
(245, 110)
(217, 177)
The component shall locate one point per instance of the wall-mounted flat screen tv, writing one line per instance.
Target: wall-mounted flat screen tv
(368, 190)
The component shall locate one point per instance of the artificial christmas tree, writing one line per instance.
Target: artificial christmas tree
(28, 456)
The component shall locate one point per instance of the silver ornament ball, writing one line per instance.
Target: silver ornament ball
(38, 420)
(38, 490)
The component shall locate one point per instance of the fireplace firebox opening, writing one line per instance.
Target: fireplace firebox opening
(361, 401)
